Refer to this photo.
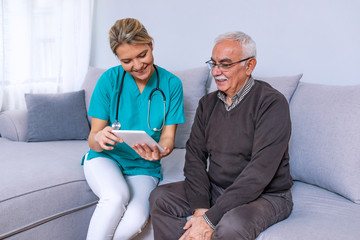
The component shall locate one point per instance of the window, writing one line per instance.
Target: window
(41, 48)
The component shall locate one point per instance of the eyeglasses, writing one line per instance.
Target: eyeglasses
(224, 66)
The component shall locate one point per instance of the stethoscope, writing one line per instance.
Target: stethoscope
(116, 124)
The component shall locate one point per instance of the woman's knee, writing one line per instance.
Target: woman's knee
(132, 222)
(116, 199)
(137, 215)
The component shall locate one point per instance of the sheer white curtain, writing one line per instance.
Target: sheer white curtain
(44, 47)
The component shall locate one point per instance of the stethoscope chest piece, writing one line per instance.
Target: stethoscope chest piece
(116, 125)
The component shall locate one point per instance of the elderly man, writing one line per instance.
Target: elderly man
(237, 178)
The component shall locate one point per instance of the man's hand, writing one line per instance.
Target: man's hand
(197, 228)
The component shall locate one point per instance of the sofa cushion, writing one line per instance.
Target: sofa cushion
(285, 84)
(317, 214)
(36, 188)
(56, 116)
(13, 125)
(194, 87)
(324, 147)
(172, 166)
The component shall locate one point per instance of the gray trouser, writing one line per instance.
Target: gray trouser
(169, 209)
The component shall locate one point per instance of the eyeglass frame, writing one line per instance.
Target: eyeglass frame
(223, 66)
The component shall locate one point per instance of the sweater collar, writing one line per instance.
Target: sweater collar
(236, 99)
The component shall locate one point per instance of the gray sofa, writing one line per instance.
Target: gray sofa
(44, 195)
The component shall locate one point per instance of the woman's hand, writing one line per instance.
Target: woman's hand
(105, 138)
(167, 140)
(146, 153)
(100, 137)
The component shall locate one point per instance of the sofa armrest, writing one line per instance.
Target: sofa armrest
(13, 125)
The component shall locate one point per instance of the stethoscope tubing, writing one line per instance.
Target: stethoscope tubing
(150, 96)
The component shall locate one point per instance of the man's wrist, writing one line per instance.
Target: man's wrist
(199, 211)
(206, 219)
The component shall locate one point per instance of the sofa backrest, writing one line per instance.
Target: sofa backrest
(91, 78)
(195, 85)
(195, 82)
(325, 141)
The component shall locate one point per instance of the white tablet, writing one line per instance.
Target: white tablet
(132, 137)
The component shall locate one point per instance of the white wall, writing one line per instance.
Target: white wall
(319, 38)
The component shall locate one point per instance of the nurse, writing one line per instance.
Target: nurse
(123, 176)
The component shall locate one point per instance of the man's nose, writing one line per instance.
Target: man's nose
(215, 71)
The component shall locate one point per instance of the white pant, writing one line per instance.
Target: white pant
(123, 207)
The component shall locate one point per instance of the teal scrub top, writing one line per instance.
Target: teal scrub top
(133, 113)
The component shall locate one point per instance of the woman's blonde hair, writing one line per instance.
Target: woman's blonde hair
(128, 30)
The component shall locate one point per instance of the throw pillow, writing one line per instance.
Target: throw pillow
(194, 87)
(57, 116)
(324, 146)
(285, 84)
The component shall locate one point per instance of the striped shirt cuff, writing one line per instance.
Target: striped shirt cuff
(208, 221)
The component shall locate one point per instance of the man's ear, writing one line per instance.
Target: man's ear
(250, 65)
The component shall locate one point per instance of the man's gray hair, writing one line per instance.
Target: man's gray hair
(248, 45)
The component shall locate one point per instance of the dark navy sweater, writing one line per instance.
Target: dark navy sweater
(247, 149)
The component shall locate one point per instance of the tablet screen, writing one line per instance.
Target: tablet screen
(132, 137)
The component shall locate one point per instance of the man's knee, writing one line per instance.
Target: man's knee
(158, 197)
(155, 194)
(168, 198)
(247, 221)
(234, 227)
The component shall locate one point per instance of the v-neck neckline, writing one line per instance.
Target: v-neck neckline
(135, 89)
